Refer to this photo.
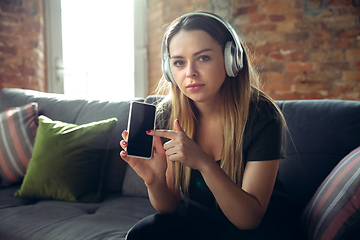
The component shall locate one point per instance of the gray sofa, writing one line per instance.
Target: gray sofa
(322, 132)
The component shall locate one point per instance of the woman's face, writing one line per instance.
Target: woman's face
(197, 63)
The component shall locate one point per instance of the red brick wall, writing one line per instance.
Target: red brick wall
(300, 55)
(303, 50)
(22, 44)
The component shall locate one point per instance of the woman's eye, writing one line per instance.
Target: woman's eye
(203, 58)
(178, 63)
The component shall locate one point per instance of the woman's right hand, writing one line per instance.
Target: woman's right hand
(150, 170)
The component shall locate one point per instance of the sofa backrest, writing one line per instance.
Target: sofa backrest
(320, 134)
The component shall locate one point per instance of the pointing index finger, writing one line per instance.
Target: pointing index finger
(163, 133)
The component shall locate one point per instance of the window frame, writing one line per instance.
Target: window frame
(54, 55)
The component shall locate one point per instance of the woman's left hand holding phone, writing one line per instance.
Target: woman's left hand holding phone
(151, 169)
(157, 176)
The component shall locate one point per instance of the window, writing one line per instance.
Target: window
(102, 51)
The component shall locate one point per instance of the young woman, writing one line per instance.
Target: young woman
(215, 176)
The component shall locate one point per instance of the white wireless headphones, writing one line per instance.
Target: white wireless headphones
(233, 52)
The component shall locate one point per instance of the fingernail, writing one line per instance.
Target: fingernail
(124, 143)
(124, 152)
(148, 131)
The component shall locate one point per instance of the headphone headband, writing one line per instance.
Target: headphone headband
(233, 51)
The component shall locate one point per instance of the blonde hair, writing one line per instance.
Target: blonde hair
(237, 93)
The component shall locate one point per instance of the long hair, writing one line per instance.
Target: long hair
(236, 95)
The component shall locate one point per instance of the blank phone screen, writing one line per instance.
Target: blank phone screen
(141, 119)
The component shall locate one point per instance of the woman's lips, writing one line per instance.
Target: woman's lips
(195, 86)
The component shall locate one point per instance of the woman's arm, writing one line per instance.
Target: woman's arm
(244, 207)
(162, 194)
(158, 175)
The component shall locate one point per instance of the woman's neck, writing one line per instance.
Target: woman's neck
(209, 109)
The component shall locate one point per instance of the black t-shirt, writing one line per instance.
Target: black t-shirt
(263, 141)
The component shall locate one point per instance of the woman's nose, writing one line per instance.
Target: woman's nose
(191, 70)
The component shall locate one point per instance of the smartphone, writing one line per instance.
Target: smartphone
(141, 119)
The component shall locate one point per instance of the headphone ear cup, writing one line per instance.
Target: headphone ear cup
(170, 72)
(230, 59)
(167, 71)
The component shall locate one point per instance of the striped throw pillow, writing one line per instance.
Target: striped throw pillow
(334, 210)
(17, 135)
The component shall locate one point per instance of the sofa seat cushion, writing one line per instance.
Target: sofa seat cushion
(52, 219)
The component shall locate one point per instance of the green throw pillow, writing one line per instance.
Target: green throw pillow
(68, 161)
